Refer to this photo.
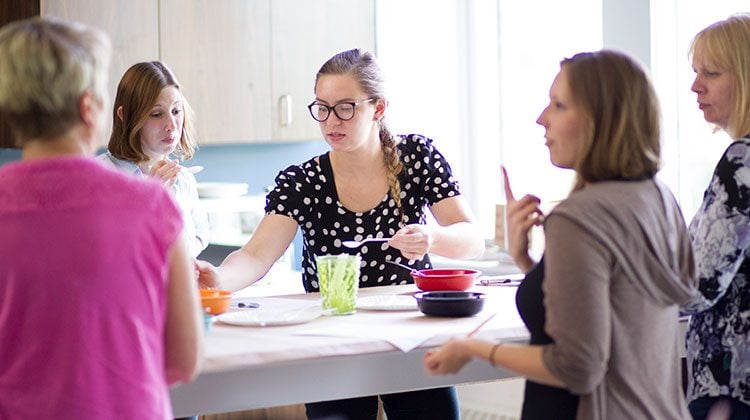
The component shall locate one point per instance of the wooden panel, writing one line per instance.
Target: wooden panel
(219, 51)
(11, 10)
(304, 35)
(132, 26)
(285, 412)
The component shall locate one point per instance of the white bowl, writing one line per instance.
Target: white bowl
(221, 189)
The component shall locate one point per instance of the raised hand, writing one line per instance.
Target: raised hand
(520, 216)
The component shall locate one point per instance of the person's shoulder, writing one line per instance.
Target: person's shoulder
(105, 156)
(607, 191)
(608, 198)
(412, 140)
(300, 176)
(415, 143)
(110, 160)
(117, 180)
(739, 150)
(305, 168)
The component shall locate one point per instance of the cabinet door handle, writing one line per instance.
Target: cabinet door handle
(285, 110)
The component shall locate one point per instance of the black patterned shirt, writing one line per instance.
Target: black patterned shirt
(307, 194)
(718, 339)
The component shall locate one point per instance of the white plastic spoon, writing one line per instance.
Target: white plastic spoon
(357, 244)
(194, 169)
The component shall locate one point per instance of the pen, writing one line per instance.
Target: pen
(499, 280)
(490, 282)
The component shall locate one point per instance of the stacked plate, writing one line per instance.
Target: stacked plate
(221, 189)
(387, 303)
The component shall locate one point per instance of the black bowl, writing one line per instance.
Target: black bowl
(450, 303)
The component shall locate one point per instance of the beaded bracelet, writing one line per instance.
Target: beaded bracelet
(492, 354)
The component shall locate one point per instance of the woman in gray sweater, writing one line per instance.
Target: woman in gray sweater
(618, 260)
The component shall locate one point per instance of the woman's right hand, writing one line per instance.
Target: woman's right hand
(207, 275)
(166, 170)
(520, 216)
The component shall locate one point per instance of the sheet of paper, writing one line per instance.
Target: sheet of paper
(406, 331)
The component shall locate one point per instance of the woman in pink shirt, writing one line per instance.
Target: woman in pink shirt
(98, 304)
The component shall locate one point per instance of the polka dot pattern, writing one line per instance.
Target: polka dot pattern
(307, 194)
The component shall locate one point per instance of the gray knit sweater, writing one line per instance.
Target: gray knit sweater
(618, 263)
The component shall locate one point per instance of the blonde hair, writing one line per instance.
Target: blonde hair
(46, 65)
(623, 139)
(363, 66)
(137, 92)
(726, 43)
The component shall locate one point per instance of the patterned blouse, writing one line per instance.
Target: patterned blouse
(718, 339)
(307, 194)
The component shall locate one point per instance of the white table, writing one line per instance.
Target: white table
(256, 367)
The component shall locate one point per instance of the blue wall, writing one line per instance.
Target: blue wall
(9, 155)
(255, 164)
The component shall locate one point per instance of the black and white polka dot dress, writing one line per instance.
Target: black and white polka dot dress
(307, 194)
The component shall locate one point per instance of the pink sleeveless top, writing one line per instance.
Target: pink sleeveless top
(83, 288)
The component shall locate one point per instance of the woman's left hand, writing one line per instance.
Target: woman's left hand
(414, 241)
(450, 358)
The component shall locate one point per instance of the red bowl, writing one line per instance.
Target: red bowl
(433, 279)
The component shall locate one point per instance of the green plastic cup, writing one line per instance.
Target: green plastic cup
(338, 277)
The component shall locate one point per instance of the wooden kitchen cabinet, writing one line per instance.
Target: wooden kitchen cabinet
(248, 66)
(132, 27)
(304, 34)
(220, 51)
(12, 10)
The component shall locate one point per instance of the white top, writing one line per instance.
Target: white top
(185, 193)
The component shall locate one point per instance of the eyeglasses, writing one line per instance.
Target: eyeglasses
(343, 110)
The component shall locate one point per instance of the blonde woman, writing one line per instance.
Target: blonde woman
(97, 317)
(617, 261)
(371, 184)
(718, 339)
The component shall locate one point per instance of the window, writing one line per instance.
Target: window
(474, 76)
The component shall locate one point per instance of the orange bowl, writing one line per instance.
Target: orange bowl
(436, 279)
(215, 301)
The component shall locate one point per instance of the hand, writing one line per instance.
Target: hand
(166, 170)
(207, 275)
(450, 358)
(414, 241)
(520, 216)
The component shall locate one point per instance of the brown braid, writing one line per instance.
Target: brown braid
(392, 162)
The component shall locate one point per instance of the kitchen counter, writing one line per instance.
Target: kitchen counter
(494, 262)
(337, 357)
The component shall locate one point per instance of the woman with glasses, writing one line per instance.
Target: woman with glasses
(370, 184)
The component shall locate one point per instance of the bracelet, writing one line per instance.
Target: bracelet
(492, 354)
